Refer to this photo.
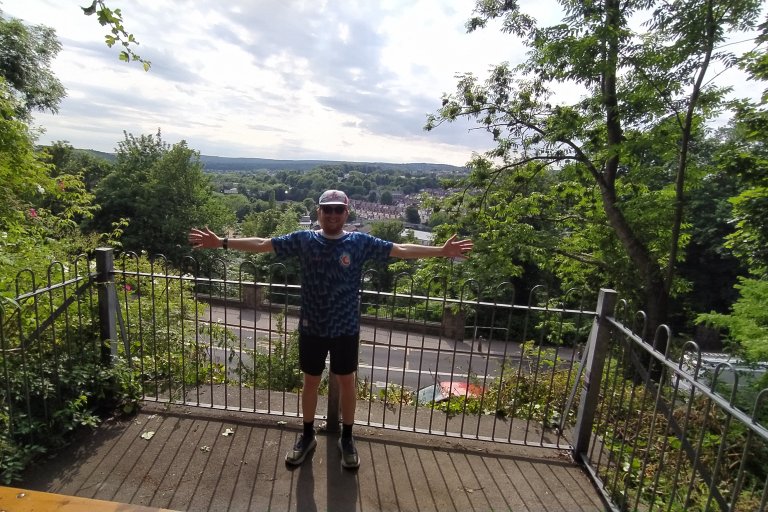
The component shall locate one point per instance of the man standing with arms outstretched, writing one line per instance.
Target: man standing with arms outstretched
(331, 268)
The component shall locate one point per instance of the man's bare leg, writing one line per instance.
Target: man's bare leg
(306, 442)
(309, 397)
(348, 391)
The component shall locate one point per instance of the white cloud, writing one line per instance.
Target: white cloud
(272, 79)
(285, 79)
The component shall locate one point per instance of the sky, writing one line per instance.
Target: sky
(350, 80)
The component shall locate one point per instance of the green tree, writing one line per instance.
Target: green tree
(745, 156)
(237, 203)
(120, 194)
(288, 222)
(67, 159)
(309, 204)
(24, 179)
(386, 198)
(261, 224)
(438, 217)
(746, 326)
(625, 151)
(412, 214)
(42, 198)
(390, 230)
(710, 268)
(162, 192)
(39, 205)
(750, 241)
(179, 192)
(26, 53)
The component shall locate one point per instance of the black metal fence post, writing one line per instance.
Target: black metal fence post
(105, 283)
(334, 403)
(599, 339)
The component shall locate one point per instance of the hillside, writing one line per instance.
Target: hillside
(225, 164)
(219, 163)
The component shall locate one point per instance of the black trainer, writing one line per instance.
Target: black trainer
(349, 458)
(300, 451)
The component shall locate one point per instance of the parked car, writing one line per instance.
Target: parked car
(443, 390)
(731, 368)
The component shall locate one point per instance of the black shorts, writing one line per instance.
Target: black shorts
(314, 349)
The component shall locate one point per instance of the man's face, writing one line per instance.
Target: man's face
(332, 217)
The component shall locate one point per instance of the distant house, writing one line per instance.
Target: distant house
(232, 190)
(305, 222)
(374, 211)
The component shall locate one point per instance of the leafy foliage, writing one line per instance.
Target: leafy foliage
(55, 381)
(162, 192)
(68, 160)
(40, 205)
(278, 368)
(588, 193)
(160, 313)
(747, 324)
(601, 182)
(26, 53)
(113, 18)
(744, 155)
(645, 449)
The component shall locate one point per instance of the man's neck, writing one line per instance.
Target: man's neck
(333, 236)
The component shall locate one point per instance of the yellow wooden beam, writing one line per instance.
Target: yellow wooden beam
(13, 499)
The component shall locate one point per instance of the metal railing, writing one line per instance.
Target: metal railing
(49, 344)
(650, 430)
(498, 371)
(656, 436)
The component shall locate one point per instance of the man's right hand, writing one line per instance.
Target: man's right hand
(203, 239)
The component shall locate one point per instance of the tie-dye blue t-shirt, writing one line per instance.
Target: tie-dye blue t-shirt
(331, 270)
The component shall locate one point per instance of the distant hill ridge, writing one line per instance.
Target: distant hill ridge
(223, 164)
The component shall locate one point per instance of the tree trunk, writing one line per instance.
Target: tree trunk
(656, 295)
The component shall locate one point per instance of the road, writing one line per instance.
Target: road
(386, 357)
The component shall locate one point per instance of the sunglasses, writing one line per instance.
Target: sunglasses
(338, 209)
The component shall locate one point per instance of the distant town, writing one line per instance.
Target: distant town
(378, 191)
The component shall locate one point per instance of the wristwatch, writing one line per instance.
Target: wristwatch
(225, 243)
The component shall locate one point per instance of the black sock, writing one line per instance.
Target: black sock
(346, 431)
(309, 430)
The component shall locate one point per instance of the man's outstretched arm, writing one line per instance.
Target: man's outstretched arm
(207, 239)
(452, 248)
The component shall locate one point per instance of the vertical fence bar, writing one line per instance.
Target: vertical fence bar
(4, 359)
(334, 404)
(599, 338)
(105, 267)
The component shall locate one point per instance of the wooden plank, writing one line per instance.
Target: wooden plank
(13, 499)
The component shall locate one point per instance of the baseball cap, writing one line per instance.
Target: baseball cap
(334, 197)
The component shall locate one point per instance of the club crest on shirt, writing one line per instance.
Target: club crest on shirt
(345, 260)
